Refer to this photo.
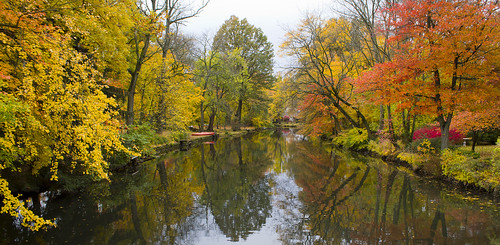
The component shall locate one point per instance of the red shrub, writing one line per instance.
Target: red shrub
(455, 137)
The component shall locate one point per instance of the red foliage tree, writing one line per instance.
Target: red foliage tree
(448, 58)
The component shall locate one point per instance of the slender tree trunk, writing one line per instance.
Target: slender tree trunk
(408, 126)
(475, 137)
(390, 124)
(381, 118)
(237, 123)
(135, 75)
(130, 98)
(202, 119)
(211, 119)
(413, 127)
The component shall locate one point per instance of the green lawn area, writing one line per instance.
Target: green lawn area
(485, 151)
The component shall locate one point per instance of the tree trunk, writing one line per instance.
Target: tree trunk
(475, 137)
(444, 125)
(236, 124)
(130, 98)
(211, 119)
(381, 119)
(412, 131)
(202, 119)
(135, 75)
(390, 125)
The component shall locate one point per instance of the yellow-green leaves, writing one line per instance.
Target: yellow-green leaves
(14, 207)
(53, 113)
(165, 94)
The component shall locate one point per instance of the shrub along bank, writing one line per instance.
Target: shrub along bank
(479, 169)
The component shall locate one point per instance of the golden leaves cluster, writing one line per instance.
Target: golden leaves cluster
(53, 113)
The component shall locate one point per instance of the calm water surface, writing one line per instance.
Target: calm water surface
(266, 188)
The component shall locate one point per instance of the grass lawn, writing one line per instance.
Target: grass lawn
(485, 151)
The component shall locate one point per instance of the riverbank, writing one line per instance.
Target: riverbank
(177, 141)
(457, 167)
(191, 140)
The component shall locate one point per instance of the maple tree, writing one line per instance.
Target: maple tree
(477, 119)
(327, 57)
(447, 58)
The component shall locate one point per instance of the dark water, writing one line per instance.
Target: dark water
(267, 188)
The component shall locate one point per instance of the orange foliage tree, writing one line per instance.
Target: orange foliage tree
(447, 59)
(327, 56)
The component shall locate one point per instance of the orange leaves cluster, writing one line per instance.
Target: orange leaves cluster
(446, 60)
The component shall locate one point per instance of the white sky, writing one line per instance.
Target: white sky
(272, 16)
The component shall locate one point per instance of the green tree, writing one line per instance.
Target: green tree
(221, 77)
(256, 51)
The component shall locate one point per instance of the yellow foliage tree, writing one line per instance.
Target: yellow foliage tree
(53, 113)
(166, 95)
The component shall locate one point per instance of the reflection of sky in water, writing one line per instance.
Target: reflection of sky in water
(260, 202)
(284, 219)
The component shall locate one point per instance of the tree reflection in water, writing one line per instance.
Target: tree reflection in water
(236, 188)
(298, 191)
(352, 199)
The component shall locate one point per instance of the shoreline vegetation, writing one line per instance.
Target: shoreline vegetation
(85, 86)
(457, 167)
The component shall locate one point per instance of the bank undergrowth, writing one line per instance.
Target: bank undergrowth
(460, 165)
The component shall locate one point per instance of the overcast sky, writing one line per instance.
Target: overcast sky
(272, 16)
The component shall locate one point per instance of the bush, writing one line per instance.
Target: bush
(356, 138)
(460, 166)
(434, 132)
(434, 143)
(383, 147)
(415, 160)
(488, 136)
(141, 138)
(423, 151)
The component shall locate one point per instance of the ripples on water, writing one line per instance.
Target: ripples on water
(273, 187)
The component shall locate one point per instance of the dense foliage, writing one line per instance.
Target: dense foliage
(85, 81)
(393, 67)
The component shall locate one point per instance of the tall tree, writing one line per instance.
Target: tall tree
(373, 37)
(257, 52)
(150, 28)
(176, 12)
(327, 56)
(146, 28)
(448, 57)
(168, 104)
(220, 76)
(54, 117)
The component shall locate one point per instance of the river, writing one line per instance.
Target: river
(272, 187)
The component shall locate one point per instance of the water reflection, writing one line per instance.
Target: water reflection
(272, 187)
(351, 199)
(236, 189)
